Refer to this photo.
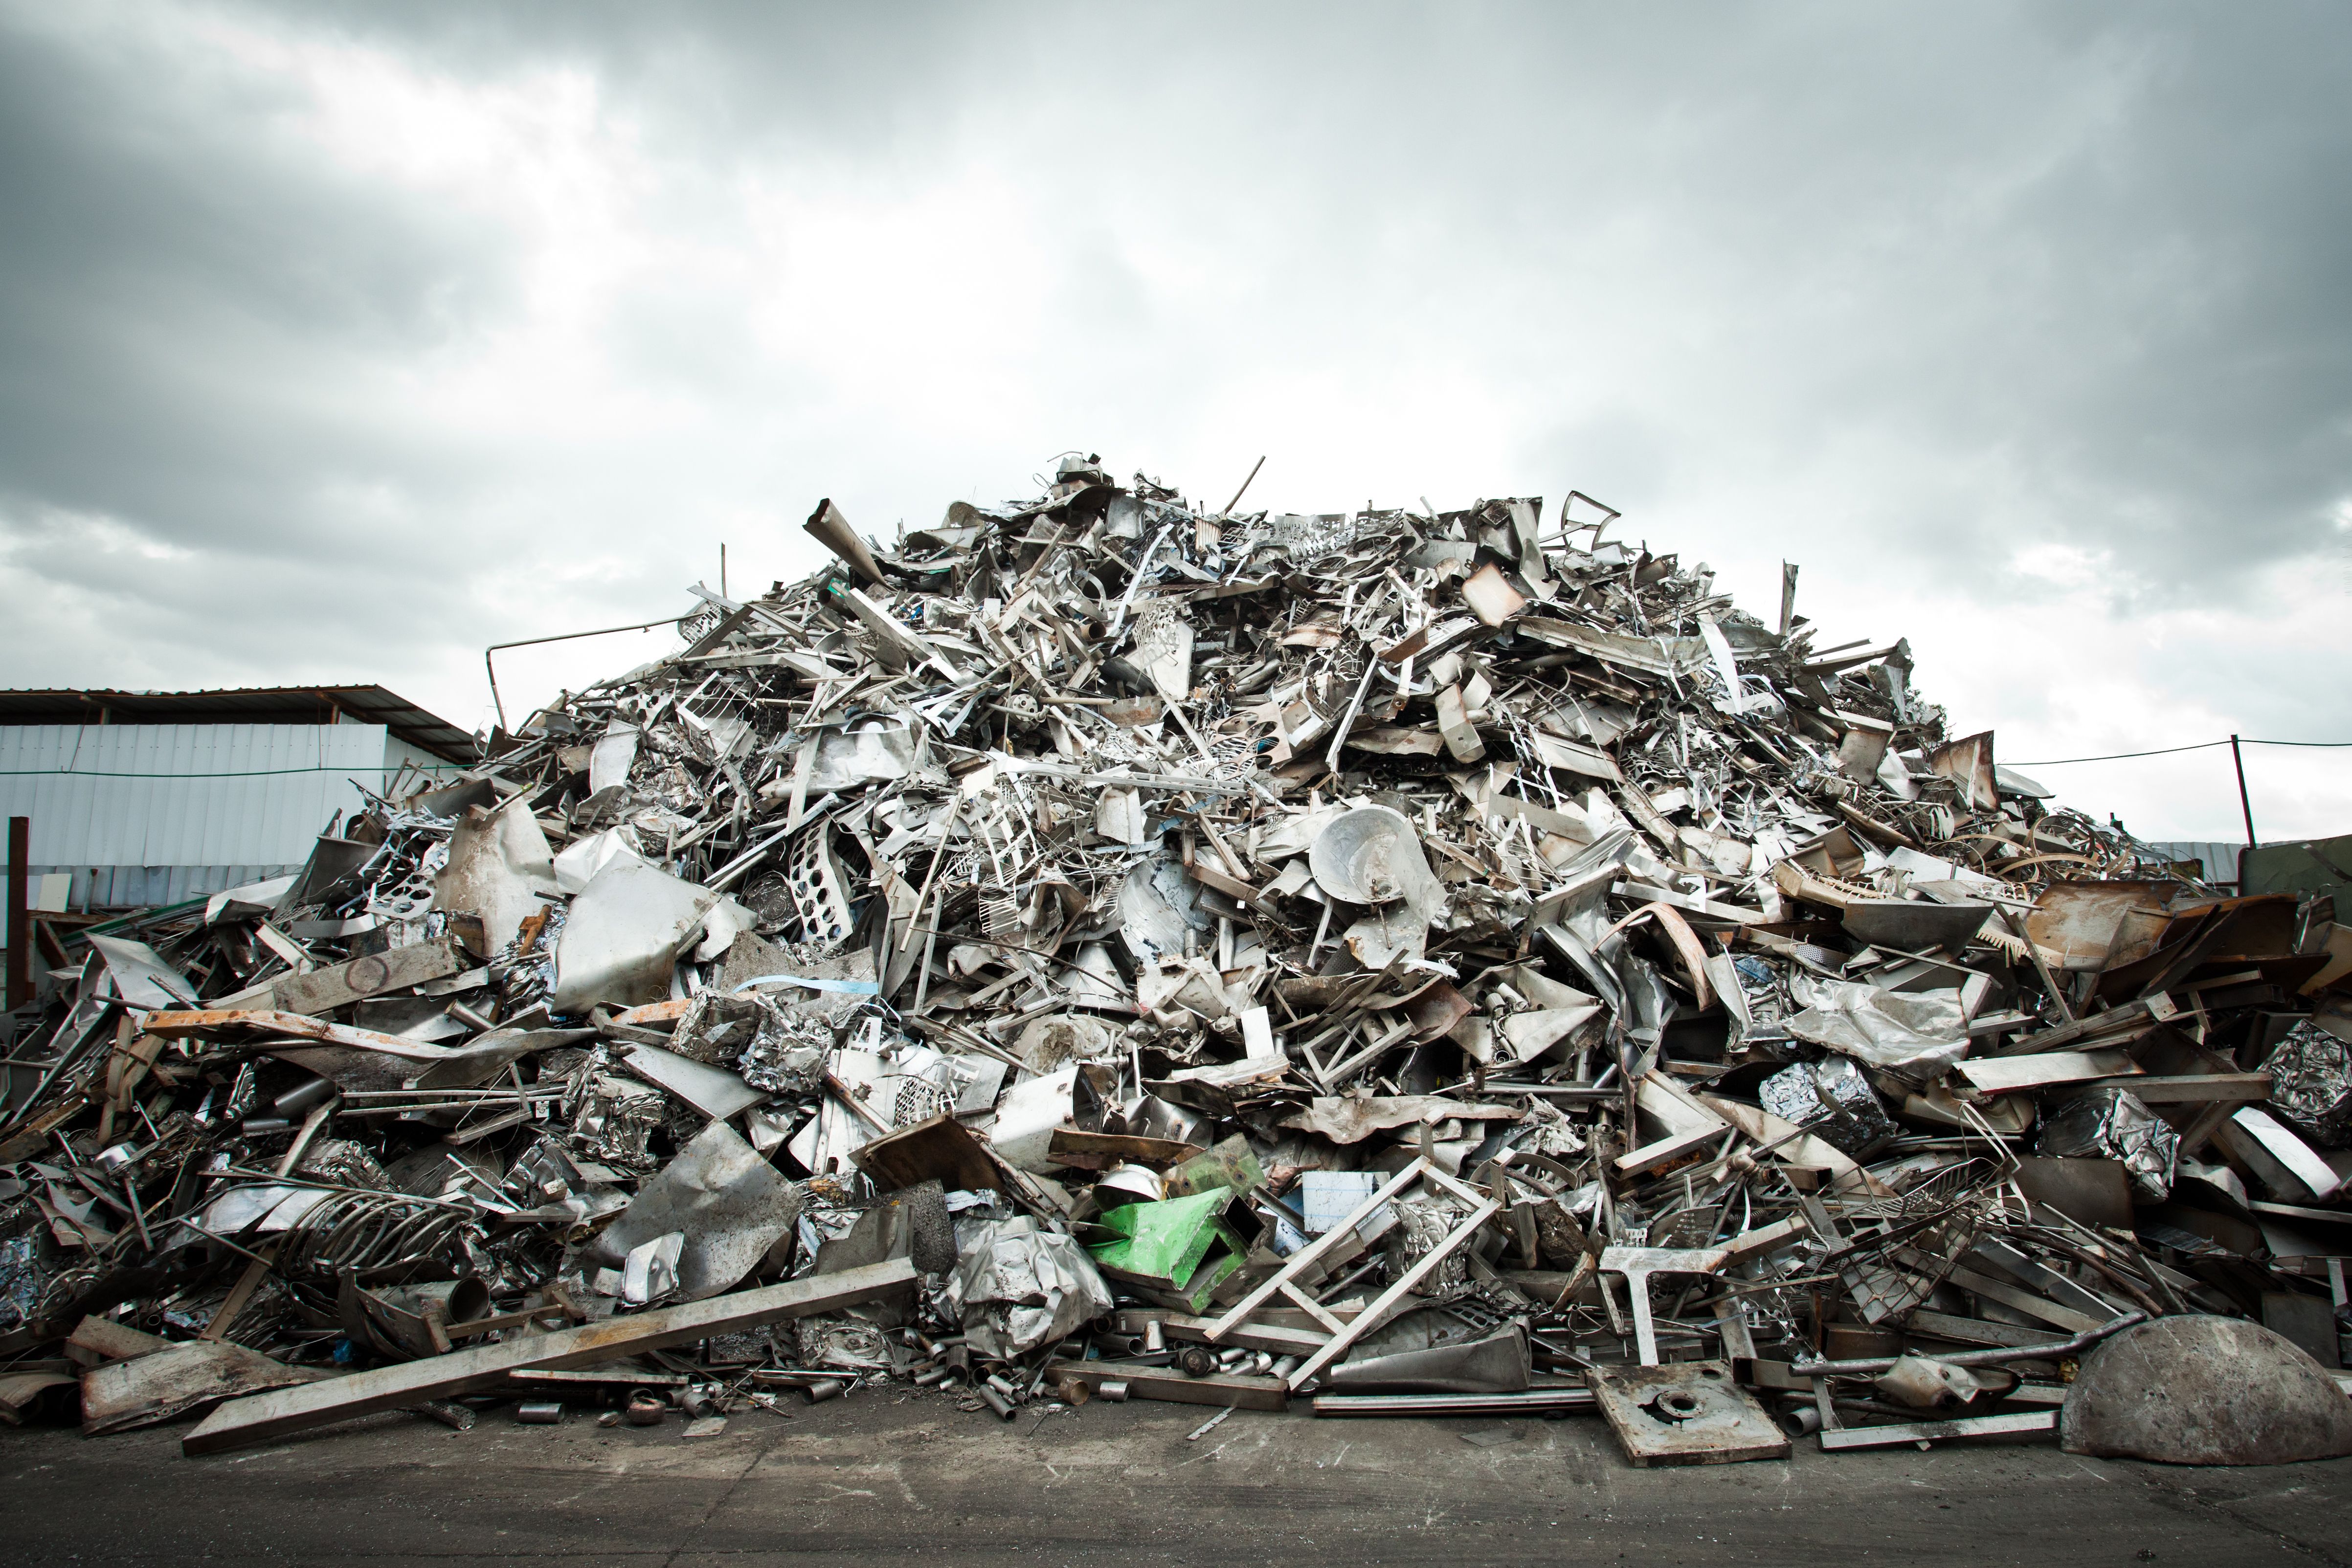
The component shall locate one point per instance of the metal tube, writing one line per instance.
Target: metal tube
(1869, 1367)
(2238, 760)
(560, 636)
(1228, 509)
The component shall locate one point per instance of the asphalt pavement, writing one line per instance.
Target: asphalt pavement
(879, 1476)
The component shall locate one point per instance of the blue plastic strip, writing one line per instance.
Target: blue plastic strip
(847, 987)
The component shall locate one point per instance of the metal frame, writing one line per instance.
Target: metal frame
(1285, 1281)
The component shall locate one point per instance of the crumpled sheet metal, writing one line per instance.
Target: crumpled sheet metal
(623, 937)
(1351, 1119)
(732, 1205)
(1156, 913)
(582, 859)
(1496, 1362)
(2114, 1124)
(1831, 1099)
(498, 866)
(141, 978)
(1914, 1032)
(1016, 1287)
(2311, 1085)
(873, 751)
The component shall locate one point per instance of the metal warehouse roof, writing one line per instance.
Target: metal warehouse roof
(246, 705)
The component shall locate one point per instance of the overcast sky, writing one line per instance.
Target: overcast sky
(336, 343)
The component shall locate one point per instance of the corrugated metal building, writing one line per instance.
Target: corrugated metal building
(147, 798)
(2220, 860)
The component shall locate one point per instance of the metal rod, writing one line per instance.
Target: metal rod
(1229, 505)
(1866, 1368)
(2238, 760)
(560, 636)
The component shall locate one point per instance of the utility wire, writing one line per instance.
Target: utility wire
(253, 774)
(2165, 752)
(2117, 756)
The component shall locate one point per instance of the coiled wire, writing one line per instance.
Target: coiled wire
(365, 1232)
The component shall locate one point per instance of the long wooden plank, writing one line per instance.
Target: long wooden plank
(324, 990)
(1254, 1336)
(264, 1417)
(301, 1026)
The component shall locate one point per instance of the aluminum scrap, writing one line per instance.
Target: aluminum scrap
(1102, 850)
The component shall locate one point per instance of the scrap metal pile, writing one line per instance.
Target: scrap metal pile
(1436, 961)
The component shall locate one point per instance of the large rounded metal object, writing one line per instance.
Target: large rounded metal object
(1372, 856)
(2205, 1390)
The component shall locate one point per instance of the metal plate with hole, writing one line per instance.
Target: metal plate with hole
(818, 889)
(407, 895)
(1684, 1412)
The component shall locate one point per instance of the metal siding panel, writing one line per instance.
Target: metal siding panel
(129, 887)
(167, 808)
(122, 808)
(75, 802)
(155, 812)
(79, 801)
(222, 810)
(59, 818)
(170, 818)
(2220, 859)
(180, 816)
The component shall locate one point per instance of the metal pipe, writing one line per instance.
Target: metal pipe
(2238, 760)
(1228, 509)
(1868, 1367)
(560, 636)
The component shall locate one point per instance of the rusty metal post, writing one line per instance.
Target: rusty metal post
(2244, 805)
(20, 923)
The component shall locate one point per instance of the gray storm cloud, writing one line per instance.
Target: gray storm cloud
(336, 343)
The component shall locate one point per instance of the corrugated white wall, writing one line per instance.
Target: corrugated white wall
(144, 813)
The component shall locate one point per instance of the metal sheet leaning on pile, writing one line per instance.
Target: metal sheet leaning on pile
(1430, 960)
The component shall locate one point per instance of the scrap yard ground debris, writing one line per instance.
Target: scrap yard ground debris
(1390, 963)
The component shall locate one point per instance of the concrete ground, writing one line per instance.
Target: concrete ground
(877, 1476)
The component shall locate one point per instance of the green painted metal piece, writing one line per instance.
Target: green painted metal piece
(1181, 1246)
